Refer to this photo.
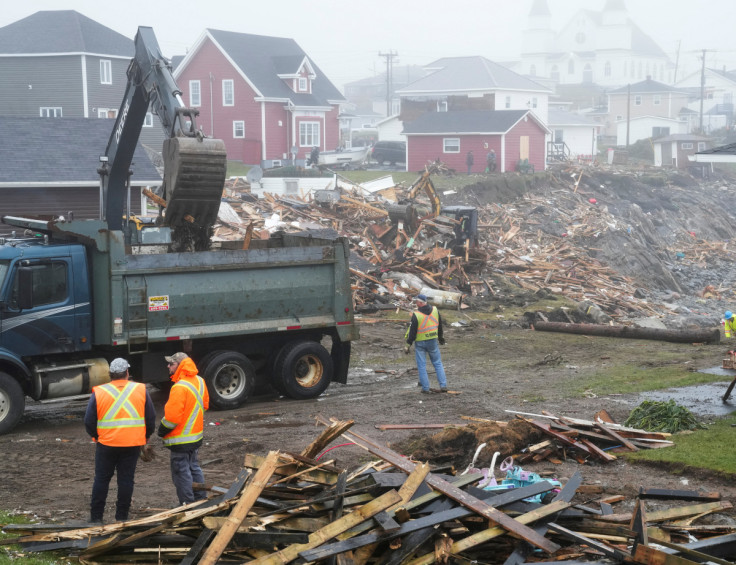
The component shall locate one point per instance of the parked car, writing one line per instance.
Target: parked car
(391, 151)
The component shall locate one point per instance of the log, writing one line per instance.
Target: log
(675, 336)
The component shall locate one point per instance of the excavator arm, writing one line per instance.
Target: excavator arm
(194, 166)
(424, 182)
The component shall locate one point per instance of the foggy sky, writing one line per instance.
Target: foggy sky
(345, 37)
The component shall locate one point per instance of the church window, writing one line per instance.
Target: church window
(571, 67)
(607, 69)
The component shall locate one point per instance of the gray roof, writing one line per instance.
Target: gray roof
(722, 150)
(648, 86)
(62, 31)
(465, 122)
(42, 151)
(464, 74)
(565, 118)
(682, 137)
(262, 58)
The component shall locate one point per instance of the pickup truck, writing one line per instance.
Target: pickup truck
(76, 294)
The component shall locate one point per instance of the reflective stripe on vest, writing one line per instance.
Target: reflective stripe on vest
(186, 435)
(427, 325)
(729, 327)
(121, 400)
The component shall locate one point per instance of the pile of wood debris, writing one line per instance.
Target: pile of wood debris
(515, 249)
(284, 508)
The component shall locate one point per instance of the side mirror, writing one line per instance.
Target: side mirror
(25, 288)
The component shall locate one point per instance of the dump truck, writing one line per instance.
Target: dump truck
(77, 293)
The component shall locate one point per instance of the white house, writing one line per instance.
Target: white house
(573, 135)
(645, 127)
(389, 129)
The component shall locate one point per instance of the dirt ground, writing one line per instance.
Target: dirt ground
(47, 462)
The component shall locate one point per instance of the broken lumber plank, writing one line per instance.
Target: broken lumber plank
(677, 494)
(580, 539)
(672, 513)
(674, 336)
(455, 493)
(331, 530)
(384, 427)
(650, 556)
(700, 556)
(618, 437)
(239, 512)
(334, 430)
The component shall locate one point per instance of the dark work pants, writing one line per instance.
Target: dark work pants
(185, 470)
(108, 460)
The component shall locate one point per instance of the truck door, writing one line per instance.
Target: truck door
(46, 324)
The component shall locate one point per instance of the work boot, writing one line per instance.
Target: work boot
(426, 391)
(443, 389)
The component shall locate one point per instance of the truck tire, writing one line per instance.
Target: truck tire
(12, 402)
(303, 370)
(230, 379)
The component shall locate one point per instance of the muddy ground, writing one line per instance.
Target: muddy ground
(46, 467)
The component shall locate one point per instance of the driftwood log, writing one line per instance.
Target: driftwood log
(676, 336)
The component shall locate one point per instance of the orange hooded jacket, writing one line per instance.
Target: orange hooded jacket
(184, 411)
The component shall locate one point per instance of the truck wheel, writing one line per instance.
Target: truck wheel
(230, 379)
(12, 403)
(304, 369)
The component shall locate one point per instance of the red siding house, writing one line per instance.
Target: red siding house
(515, 135)
(263, 96)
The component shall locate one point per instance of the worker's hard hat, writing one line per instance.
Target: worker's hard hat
(728, 315)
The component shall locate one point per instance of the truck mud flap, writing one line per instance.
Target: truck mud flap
(340, 354)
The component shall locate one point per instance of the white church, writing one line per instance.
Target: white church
(603, 47)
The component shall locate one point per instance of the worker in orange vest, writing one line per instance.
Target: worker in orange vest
(425, 331)
(120, 417)
(182, 427)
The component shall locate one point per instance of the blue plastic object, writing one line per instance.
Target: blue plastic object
(516, 477)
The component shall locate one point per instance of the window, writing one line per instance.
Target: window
(587, 73)
(507, 103)
(195, 93)
(571, 67)
(533, 70)
(105, 71)
(107, 113)
(637, 100)
(701, 145)
(619, 117)
(50, 112)
(228, 92)
(148, 122)
(309, 134)
(451, 145)
(534, 102)
(686, 146)
(607, 69)
(302, 84)
(555, 73)
(49, 284)
(239, 128)
(442, 105)
(657, 99)
(660, 131)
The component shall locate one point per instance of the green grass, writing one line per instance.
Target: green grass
(701, 449)
(629, 379)
(237, 169)
(14, 553)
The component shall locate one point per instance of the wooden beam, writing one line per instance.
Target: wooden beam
(650, 556)
(239, 512)
(335, 429)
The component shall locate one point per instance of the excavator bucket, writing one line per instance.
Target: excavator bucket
(194, 177)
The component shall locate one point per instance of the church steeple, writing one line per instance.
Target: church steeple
(614, 12)
(539, 8)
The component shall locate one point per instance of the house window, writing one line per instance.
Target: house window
(607, 69)
(239, 128)
(686, 146)
(640, 73)
(555, 73)
(228, 92)
(660, 131)
(619, 117)
(701, 145)
(50, 112)
(302, 84)
(442, 105)
(657, 99)
(309, 134)
(107, 113)
(533, 70)
(637, 100)
(571, 67)
(451, 145)
(534, 102)
(105, 71)
(148, 122)
(508, 102)
(195, 93)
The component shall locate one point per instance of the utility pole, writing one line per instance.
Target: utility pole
(389, 78)
(702, 91)
(677, 62)
(628, 113)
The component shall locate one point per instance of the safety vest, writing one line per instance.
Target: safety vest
(121, 413)
(730, 327)
(427, 324)
(191, 427)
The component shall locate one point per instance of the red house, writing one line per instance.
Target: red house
(515, 135)
(263, 96)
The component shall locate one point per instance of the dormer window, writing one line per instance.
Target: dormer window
(302, 84)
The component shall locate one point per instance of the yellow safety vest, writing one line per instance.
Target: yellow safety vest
(730, 327)
(427, 324)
